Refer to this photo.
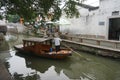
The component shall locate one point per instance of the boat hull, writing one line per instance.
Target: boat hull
(51, 55)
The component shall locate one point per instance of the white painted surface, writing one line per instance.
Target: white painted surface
(18, 26)
(88, 23)
(2, 23)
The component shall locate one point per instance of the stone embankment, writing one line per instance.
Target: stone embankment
(4, 74)
(107, 48)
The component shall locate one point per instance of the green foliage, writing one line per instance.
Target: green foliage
(1, 17)
(13, 18)
(21, 7)
(29, 9)
(1, 3)
(71, 10)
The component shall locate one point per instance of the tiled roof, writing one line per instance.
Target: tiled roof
(87, 6)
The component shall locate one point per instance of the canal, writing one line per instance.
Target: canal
(22, 67)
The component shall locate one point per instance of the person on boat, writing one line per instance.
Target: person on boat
(57, 41)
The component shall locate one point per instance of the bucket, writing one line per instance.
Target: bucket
(51, 49)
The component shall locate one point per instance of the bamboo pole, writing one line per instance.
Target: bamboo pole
(74, 51)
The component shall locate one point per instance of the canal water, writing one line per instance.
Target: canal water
(22, 67)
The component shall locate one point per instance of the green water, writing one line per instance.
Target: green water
(22, 67)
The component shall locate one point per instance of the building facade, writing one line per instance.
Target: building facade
(102, 21)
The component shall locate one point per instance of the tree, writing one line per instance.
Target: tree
(30, 9)
(13, 18)
(1, 17)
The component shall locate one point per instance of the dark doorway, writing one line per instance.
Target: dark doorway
(114, 29)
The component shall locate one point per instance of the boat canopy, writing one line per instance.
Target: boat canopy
(34, 39)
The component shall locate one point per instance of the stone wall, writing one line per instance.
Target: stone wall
(93, 50)
(85, 36)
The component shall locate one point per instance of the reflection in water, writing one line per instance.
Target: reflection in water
(48, 69)
(23, 67)
(51, 74)
(72, 68)
(19, 67)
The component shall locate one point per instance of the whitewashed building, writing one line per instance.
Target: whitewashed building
(99, 22)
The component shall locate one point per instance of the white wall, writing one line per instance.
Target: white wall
(18, 26)
(88, 23)
(106, 9)
(2, 23)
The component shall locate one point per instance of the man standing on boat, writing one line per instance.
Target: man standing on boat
(57, 41)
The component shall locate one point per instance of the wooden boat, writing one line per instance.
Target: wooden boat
(41, 47)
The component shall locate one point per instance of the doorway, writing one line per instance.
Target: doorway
(114, 29)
